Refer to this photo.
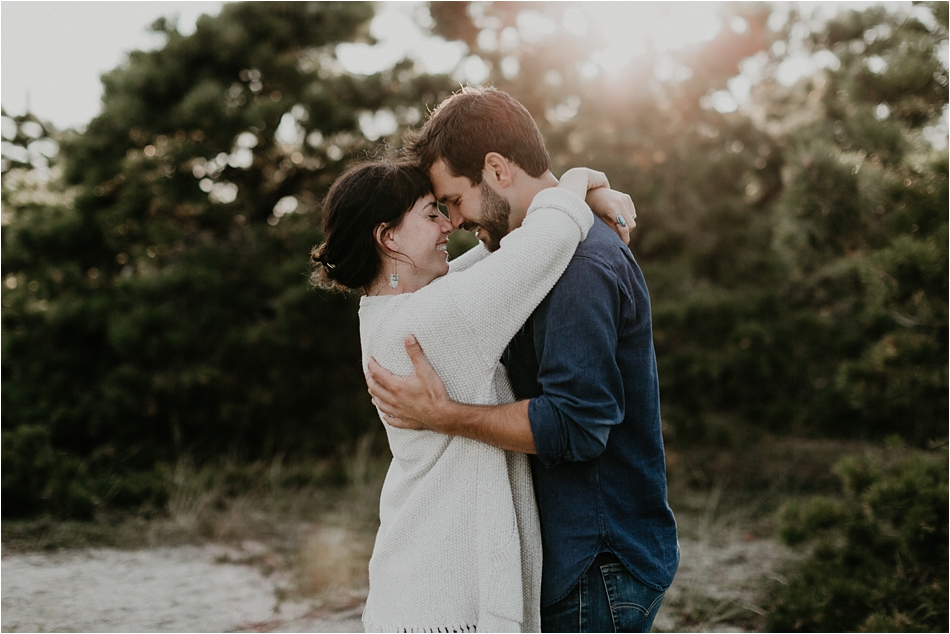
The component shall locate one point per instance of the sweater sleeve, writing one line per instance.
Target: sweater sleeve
(498, 294)
(468, 259)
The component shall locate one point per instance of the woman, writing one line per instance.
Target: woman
(458, 548)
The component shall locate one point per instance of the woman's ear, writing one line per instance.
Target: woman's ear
(385, 239)
(497, 170)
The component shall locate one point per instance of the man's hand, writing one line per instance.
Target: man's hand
(420, 401)
(412, 402)
(611, 206)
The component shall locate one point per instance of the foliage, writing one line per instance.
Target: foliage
(879, 554)
(155, 303)
(796, 248)
(155, 300)
(862, 225)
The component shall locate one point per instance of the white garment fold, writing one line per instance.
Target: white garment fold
(459, 545)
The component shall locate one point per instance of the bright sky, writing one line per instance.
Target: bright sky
(54, 52)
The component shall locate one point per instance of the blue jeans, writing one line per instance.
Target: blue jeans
(607, 598)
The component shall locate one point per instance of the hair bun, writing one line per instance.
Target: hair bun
(318, 256)
(321, 275)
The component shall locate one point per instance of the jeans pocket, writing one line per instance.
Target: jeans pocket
(568, 614)
(633, 606)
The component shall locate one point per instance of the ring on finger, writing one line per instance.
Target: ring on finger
(621, 221)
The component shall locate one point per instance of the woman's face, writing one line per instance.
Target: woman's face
(422, 239)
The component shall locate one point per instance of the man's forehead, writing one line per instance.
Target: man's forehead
(445, 185)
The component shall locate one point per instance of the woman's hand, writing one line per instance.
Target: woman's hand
(615, 208)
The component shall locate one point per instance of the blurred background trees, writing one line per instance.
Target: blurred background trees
(155, 298)
(158, 306)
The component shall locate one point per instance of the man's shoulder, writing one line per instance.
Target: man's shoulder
(598, 263)
(602, 248)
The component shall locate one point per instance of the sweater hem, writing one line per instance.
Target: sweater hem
(375, 627)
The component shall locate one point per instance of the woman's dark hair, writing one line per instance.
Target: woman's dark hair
(379, 191)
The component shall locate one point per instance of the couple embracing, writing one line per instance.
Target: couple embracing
(517, 385)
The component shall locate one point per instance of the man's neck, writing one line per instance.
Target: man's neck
(528, 188)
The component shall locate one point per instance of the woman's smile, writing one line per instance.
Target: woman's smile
(420, 264)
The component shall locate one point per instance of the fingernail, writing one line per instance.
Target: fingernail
(411, 339)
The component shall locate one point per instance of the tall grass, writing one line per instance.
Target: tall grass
(334, 556)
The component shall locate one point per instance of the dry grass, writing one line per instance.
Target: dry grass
(332, 559)
(728, 556)
(314, 525)
(333, 556)
(725, 502)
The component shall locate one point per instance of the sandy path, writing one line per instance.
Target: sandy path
(195, 589)
(179, 589)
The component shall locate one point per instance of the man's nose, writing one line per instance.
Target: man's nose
(456, 219)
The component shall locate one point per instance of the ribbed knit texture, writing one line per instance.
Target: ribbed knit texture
(459, 544)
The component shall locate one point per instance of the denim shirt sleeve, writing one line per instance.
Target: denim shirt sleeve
(575, 336)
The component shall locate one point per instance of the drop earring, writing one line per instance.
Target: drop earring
(394, 279)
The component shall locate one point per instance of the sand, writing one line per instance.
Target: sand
(180, 589)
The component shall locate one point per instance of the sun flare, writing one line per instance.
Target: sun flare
(632, 29)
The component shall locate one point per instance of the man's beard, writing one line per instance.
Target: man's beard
(495, 212)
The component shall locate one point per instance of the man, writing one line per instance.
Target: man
(584, 368)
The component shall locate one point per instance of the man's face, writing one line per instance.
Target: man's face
(473, 208)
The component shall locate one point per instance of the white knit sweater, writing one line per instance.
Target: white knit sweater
(459, 545)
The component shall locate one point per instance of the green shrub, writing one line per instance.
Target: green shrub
(879, 557)
(36, 478)
(145, 318)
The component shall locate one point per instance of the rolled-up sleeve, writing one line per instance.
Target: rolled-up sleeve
(575, 336)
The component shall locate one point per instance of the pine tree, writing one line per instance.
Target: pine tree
(176, 317)
(862, 225)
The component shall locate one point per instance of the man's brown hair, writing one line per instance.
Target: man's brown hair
(473, 122)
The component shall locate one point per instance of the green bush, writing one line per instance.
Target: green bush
(35, 477)
(147, 318)
(879, 553)
(154, 282)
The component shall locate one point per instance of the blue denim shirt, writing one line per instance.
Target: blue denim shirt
(585, 358)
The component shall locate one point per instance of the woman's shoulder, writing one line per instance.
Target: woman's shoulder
(428, 313)
(409, 309)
